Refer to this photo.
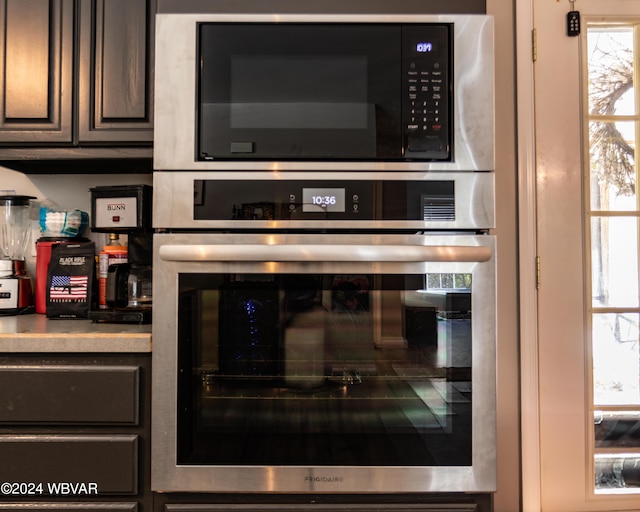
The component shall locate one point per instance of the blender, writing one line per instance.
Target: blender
(16, 289)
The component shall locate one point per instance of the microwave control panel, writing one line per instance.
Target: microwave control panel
(426, 73)
(355, 200)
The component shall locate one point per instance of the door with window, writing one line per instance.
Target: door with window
(587, 110)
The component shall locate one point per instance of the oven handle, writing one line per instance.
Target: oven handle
(324, 252)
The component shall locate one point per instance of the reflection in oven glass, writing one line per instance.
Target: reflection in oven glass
(324, 370)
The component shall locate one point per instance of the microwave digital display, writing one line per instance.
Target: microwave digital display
(425, 47)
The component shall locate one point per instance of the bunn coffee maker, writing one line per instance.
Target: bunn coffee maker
(126, 209)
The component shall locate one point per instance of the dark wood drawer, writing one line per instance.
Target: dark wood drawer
(69, 507)
(110, 462)
(70, 394)
(356, 507)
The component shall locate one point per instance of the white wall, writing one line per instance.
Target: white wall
(65, 191)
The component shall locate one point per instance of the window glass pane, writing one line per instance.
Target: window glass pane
(617, 429)
(614, 261)
(612, 166)
(617, 472)
(610, 70)
(616, 370)
(613, 121)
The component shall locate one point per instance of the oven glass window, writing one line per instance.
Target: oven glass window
(328, 369)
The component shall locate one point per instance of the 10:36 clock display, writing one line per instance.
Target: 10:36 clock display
(329, 199)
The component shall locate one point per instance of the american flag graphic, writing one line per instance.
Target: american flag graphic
(68, 288)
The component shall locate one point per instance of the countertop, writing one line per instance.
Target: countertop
(36, 333)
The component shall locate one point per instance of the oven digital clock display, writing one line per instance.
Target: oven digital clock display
(329, 199)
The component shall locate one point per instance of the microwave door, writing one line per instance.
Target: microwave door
(305, 92)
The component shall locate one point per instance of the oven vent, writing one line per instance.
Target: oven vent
(438, 208)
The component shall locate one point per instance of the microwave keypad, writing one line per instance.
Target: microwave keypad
(426, 112)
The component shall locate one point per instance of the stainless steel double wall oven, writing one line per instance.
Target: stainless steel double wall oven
(324, 273)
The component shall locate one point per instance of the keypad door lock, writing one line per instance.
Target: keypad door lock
(573, 23)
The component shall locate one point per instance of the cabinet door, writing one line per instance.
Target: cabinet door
(116, 70)
(36, 66)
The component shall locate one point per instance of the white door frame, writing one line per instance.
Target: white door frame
(527, 240)
(528, 243)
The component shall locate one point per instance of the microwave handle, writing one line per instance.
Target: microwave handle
(324, 252)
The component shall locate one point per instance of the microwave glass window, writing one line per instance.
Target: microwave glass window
(342, 369)
(289, 92)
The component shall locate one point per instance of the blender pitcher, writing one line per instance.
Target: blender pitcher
(16, 290)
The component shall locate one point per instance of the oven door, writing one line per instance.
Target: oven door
(324, 363)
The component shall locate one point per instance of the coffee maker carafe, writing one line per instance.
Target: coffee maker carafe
(129, 284)
(16, 288)
(126, 210)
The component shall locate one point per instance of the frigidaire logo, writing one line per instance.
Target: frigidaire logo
(324, 479)
(116, 207)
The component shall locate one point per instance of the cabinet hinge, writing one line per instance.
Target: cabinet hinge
(537, 272)
(534, 45)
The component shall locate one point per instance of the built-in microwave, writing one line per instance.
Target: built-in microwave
(393, 92)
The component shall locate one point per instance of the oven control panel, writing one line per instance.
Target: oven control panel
(353, 200)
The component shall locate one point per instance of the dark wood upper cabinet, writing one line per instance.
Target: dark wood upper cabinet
(36, 69)
(76, 76)
(116, 70)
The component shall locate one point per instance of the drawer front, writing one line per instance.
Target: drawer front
(70, 394)
(373, 507)
(70, 466)
(68, 507)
